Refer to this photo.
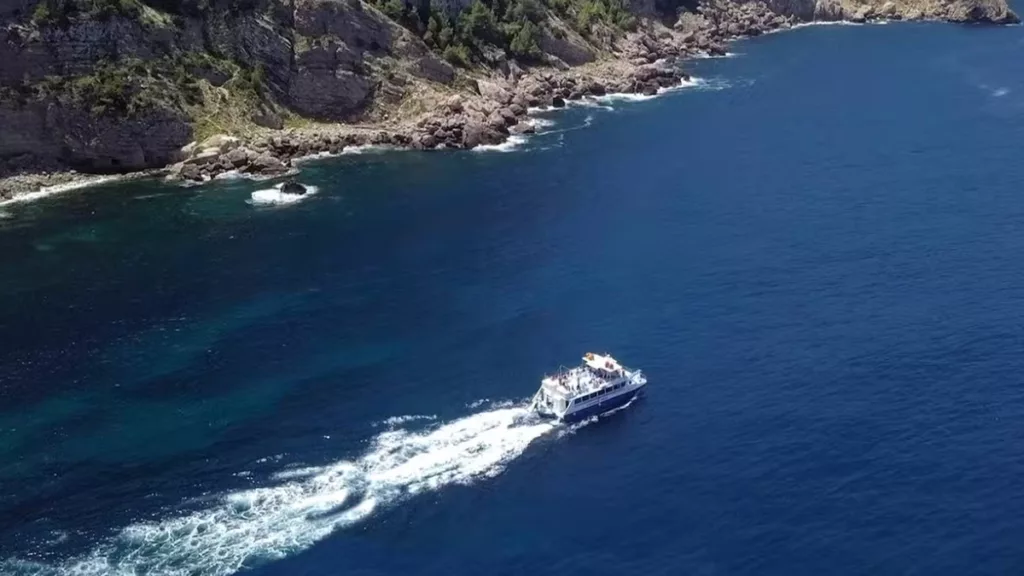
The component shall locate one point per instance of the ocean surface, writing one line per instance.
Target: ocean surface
(815, 252)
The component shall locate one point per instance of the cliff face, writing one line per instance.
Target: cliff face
(321, 59)
(120, 85)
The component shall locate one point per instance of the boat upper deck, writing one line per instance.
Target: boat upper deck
(596, 372)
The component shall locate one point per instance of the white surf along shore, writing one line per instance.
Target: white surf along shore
(273, 197)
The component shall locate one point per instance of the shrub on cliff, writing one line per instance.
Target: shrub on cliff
(524, 41)
(478, 25)
(531, 10)
(60, 12)
(614, 13)
(458, 55)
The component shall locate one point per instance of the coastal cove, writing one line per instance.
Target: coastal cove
(813, 252)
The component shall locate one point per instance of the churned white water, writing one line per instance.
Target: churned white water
(509, 145)
(245, 528)
(275, 197)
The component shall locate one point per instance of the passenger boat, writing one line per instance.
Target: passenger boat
(598, 385)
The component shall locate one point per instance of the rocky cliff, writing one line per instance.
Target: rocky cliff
(122, 85)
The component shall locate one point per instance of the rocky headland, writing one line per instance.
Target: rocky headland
(192, 89)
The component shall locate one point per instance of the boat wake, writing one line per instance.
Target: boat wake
(301, 506)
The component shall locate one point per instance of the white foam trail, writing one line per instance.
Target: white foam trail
(1000, 92)
(250, 527)
(509, 145)
(398, 420)
(275, 197)
(60, 188)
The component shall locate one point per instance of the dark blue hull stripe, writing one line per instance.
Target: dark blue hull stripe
(602, 407)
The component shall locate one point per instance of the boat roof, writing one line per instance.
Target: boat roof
(601, 362)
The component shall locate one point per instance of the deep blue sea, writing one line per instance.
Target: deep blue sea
(816, 254)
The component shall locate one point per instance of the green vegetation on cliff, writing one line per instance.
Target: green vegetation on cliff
(511, 26)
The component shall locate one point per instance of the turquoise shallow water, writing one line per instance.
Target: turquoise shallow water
(815, 254)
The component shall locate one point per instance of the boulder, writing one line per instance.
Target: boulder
(863, 13)
(558, 102)
(204, 156)
(267, 118)
(222, 142)
(454, 103)
(565, 51)
(497, 122)
(477, 133)
(509, 116)
(268, 164)
(292, 187)
(523, 128)
(237, 158)
(432, 68)
(493, 91)
(517, 109)
(191, 172)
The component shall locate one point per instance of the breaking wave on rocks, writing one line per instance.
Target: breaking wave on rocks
(275, 197)
(304, 505)
(509, 145)
(83, 182)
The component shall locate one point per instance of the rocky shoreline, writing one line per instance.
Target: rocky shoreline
(494, 107)
(489, 116)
